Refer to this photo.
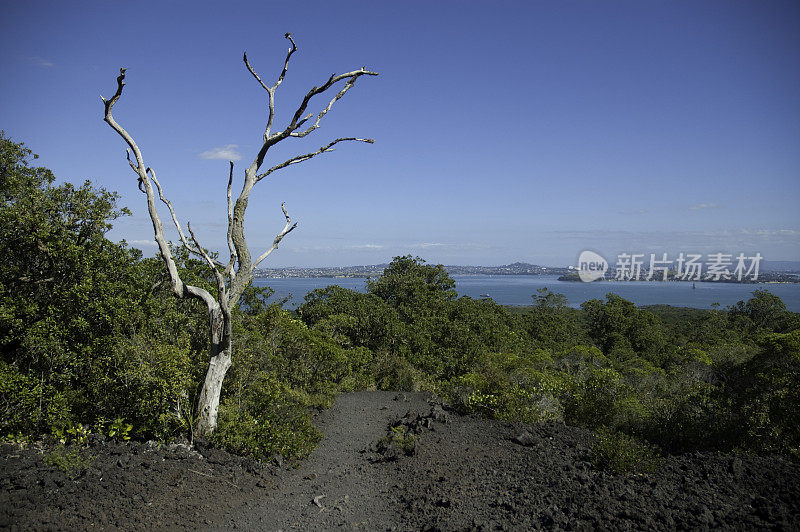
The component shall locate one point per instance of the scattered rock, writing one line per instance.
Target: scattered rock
(464, 473)
(526, 438)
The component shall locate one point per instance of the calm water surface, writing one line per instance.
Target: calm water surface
(518, 289)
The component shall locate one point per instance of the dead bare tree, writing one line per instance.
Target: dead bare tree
(233, 277)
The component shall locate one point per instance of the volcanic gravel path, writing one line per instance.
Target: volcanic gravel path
(341, 484)
(465, 474)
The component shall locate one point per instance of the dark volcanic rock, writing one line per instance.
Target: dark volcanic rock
(123, 485)
(539, 477)
(465, 474)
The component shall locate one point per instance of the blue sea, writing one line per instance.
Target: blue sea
(518, 289)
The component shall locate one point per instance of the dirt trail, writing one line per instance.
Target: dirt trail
(340, 484)
(477, 474)
(465, 474)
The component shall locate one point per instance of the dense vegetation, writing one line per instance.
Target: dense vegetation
(93, 341)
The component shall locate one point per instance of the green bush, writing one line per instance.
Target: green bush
(394, 373)
(604, 398)
(506, 386)
(152, 386)
(71, 459)
(689, 417)
(268, 419)
(399, 440)
(764, 395)
(27, 405)
(620, 453)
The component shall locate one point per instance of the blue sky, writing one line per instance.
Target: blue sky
(504, 131)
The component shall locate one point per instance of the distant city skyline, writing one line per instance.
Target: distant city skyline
(520, 131)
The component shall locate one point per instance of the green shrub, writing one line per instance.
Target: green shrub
(151, 387)
(29, 406)
(620, 453)
(603, 399)
(394, 373)
(399, 440)
(764, 396)
(71, 459)
(506, 386)
(269, 418)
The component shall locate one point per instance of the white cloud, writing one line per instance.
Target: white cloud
(226, 153)
(143, 243)
(446, 246)
(703, 206)
(366, 246)
(36, 60)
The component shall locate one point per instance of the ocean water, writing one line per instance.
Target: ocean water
(519, 289)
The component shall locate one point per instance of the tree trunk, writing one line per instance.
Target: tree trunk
(234, 277)
(220, 353)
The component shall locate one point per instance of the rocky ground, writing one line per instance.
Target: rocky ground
(434, 471)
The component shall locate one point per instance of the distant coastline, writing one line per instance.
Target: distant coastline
(376, 270)
(516, 268)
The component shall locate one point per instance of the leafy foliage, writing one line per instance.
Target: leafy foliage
(265, 419)
(622, 454)
(73, 460)
(681, 379)
(91, 340)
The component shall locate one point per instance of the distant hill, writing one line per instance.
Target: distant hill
(374, 270)
(781, 266)
(515, 268)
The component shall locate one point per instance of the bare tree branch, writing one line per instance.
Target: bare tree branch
(288, 228)
(292, 50)
(271, 90)
(196, 249)
(220, 279)
(26, 279)
(307, 156)
(120, 84)
(354, 75)
(347, 87)
(178, 287)
(253, 72)
(298, 120)
(229, 269)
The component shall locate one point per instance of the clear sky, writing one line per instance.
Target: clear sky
(505, 131)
